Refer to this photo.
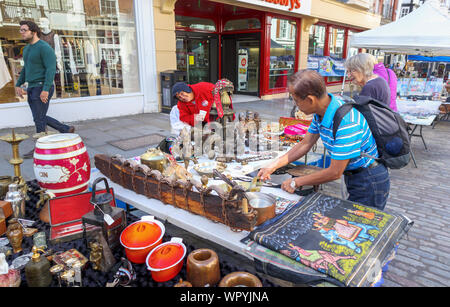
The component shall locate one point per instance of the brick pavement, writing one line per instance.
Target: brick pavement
(422, 194)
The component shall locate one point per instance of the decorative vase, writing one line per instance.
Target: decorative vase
(203, 268)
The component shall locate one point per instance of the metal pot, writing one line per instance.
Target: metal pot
(264, 204)
(17, 200)
(166, 260)
(140, 237)
(155, 159)
(5, 181)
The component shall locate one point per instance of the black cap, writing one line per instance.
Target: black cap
(180, 87)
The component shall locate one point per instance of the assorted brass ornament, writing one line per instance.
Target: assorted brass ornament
(155, 159)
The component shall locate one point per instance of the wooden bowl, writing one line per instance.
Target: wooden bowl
(203, 268)
(240, 279)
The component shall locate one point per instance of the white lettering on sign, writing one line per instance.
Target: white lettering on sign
(296, 6)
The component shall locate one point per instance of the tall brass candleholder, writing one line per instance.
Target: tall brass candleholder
(14, 140)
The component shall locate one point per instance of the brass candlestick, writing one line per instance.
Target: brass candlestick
(14, 140)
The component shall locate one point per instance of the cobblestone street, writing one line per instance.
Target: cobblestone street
(422, 193)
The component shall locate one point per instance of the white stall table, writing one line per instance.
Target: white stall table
(201, 226)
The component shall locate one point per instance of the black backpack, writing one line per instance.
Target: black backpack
(388, 128)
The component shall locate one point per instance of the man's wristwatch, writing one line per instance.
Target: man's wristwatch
(293, 184)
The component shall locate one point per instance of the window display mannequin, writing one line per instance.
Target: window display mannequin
(68, 66)
(91, 62)
(52, 39)
(5, 76)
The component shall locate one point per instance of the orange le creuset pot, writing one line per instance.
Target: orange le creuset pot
(166, 260)
(140, 237)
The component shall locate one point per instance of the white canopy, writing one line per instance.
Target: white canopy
(424, 31)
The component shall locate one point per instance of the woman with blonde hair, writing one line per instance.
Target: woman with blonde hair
(360, 69)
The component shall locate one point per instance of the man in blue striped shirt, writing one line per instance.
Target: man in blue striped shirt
(367, 181)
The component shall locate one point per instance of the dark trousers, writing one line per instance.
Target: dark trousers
(369, 187)
(39, 111)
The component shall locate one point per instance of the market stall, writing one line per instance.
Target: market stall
(78, 237)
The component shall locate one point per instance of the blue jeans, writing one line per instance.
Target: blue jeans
(39, 111)
(369, 187)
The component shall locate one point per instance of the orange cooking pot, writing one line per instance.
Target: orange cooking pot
(166, 260)
(140, 237)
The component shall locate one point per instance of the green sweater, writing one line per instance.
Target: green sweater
(40, 65)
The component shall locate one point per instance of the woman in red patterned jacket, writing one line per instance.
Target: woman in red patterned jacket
(192, 99)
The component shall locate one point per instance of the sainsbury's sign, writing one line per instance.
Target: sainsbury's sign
(294, 6)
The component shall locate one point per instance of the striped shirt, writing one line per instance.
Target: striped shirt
(352, 137)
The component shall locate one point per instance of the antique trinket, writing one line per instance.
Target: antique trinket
(37, 271)
(5, 181)
(124, 275)
(155, 159)
(17, 200)
(57, 270)
(203, 268)
(14, 233)
(111, 220)
(240, 279)
(39, 240)
(64, 257)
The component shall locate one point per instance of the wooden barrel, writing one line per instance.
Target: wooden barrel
(61, 164)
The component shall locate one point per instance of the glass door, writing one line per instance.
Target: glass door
(248, 66)
(193, 56)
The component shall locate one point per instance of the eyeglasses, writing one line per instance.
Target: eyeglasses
(24, 30)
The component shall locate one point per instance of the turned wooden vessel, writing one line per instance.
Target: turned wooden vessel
(240, 279)
(203, 268)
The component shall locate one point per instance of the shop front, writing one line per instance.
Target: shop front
(99, 58)
(255, 49)
(257, 44)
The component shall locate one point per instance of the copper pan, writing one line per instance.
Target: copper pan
(264, 204)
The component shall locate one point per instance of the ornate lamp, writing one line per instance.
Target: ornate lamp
(111, 220)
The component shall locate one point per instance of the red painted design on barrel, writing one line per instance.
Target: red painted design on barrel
(61, 164)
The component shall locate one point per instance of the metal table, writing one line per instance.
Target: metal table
(415, 122)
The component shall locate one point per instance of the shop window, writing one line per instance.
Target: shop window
(316, 40)
(194, 23)
(60, 5)
(95, 48)
(242, 24)
(351, 51)
(282, 52)
(108, 7)
(26, 3)
(336, 42)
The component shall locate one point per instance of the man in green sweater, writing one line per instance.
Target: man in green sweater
(39, 71)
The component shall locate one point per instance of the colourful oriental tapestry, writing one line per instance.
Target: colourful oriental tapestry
(342, 239)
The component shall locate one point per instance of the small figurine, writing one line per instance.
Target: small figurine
(96, 255)
(57, 270)
(14, 233)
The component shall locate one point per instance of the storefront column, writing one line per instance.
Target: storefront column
(164, 21)
(306, 24)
